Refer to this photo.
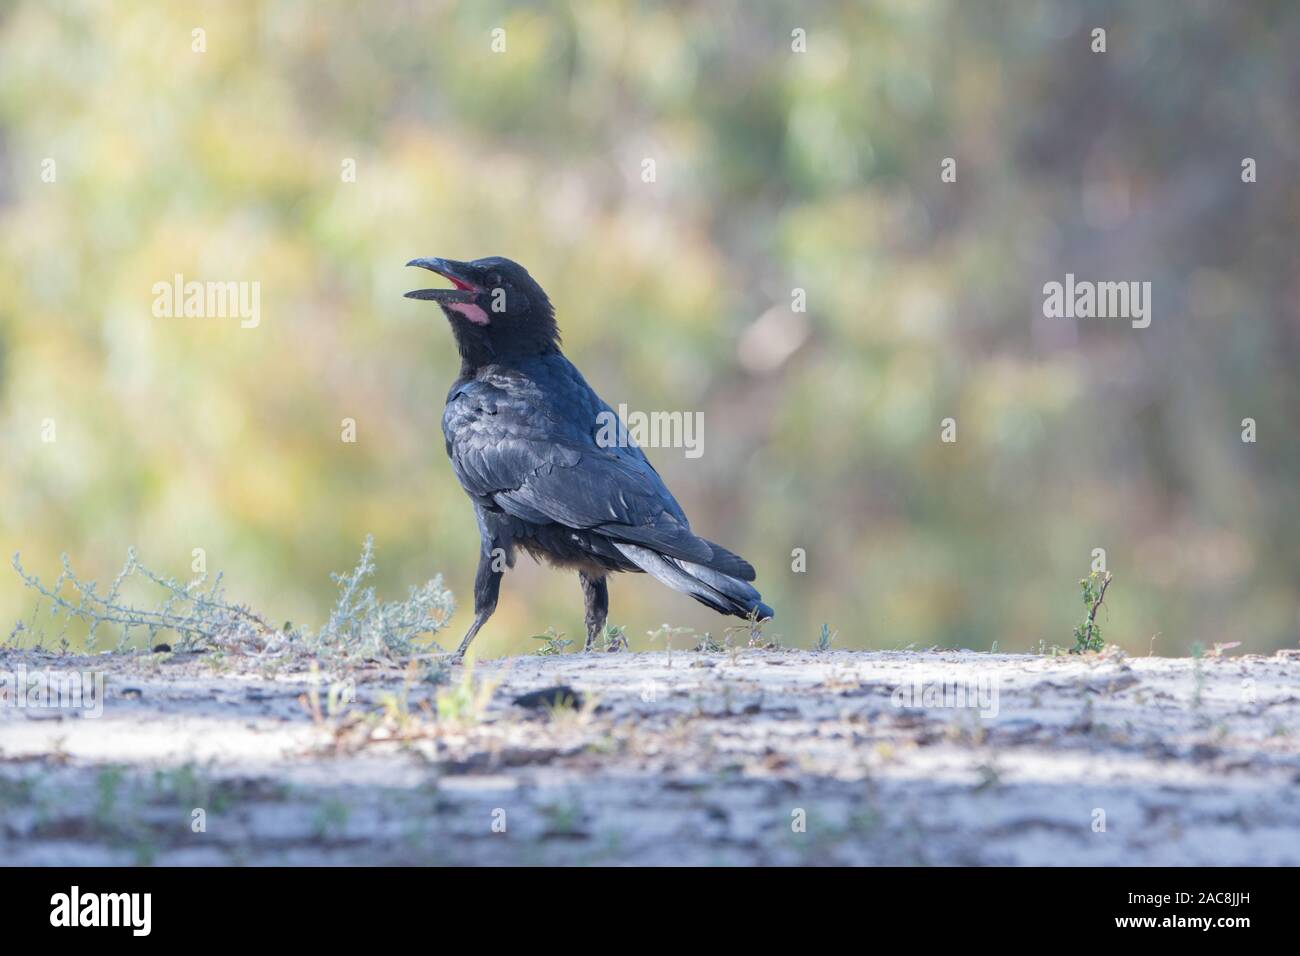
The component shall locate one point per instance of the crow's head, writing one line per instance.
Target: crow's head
(496, 307)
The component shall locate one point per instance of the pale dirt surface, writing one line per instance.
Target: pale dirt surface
(688, 758)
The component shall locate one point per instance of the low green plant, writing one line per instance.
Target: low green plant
(465, 702)
(666, 633)
(360, 627)
(563, 817)
(553, 643)
(753, 630)
(826, 638)
(614, 639)
(1198, 676)
(331, 818)
(195, 612)
(1087, 634)
(709, 644)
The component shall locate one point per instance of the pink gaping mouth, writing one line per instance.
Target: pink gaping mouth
(471, 311)
(460, 299)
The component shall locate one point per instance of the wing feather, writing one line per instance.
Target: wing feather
(540, 467)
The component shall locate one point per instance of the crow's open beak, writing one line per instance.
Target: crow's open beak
(457, 272)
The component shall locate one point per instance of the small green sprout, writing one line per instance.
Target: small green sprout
(1087, 635)
(826, 638)
(553, 642)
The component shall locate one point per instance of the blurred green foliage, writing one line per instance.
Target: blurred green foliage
(775, 171)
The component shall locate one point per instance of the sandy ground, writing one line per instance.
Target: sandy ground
(742, 758)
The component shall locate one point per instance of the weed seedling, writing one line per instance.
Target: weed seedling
(826, 638)
(553, 642)
(1087, 635)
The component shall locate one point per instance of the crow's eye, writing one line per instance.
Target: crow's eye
(494, 279)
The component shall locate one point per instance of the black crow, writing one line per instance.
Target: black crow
(525, 436)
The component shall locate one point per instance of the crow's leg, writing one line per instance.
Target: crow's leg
(487, 585)
(595, 594)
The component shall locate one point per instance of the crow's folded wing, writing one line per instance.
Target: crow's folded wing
(543, 467)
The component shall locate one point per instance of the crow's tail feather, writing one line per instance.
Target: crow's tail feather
(722, 592)
(729, 563)
(677, 543)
